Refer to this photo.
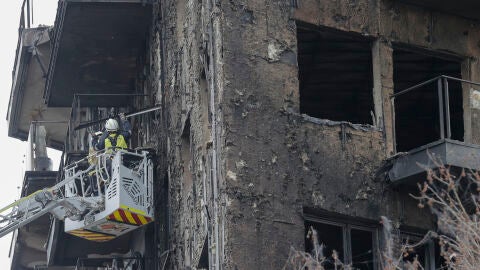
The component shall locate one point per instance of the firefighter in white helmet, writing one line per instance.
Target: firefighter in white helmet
(114, 137)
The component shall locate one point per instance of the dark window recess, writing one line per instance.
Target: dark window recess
(186, 156)
(362, 249)
(417, 119)
(354, 246)
(203, 261)
(335, 75)
(427, 254)
(440, 262)
(419, 252)
(331, 236)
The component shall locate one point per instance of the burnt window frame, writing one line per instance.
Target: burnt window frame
(370, 40)
(347, 224)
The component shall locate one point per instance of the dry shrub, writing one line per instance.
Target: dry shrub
(300, 260)
(454, 200)
(315, 260)
(388, 260)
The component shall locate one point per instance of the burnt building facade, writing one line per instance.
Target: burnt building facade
(273, 116)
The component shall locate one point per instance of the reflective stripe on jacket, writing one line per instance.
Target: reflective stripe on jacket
(115, 140)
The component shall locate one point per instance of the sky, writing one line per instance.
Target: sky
(11, 163)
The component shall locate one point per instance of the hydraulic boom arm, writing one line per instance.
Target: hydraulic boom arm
(49, 200)
(109, 193)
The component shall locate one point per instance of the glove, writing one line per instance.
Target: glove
(94, 141)
(95, 137)
(122, 116)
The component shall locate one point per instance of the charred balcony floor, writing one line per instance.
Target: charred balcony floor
(410, 168)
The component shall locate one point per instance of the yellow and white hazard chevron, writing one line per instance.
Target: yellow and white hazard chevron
(92, 236)
(119, 222)
(129, 217)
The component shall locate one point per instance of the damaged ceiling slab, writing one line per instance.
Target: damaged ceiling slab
(97, 49)
(463, 8)
(28, 84)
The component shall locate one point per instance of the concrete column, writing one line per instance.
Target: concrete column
(382, 54)
(471, 101)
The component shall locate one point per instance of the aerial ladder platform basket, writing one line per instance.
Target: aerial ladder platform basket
(102, 196)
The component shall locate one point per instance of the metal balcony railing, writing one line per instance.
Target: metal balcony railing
(26, 15)
(77, 139)
(25, 23)
(443, 95)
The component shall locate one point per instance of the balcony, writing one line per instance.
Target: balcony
(29, 74)
(98, 52)
(98, 47)
(409, 167)
(28, 242)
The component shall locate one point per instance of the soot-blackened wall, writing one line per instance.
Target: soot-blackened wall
(242, 166)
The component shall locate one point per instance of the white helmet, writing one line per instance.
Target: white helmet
(111, 125)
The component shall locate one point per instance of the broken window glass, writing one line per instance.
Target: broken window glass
(362, 249)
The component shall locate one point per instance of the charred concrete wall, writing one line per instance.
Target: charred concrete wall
(392, 22)
(238, 165)
(278, 162)
(181, 79)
